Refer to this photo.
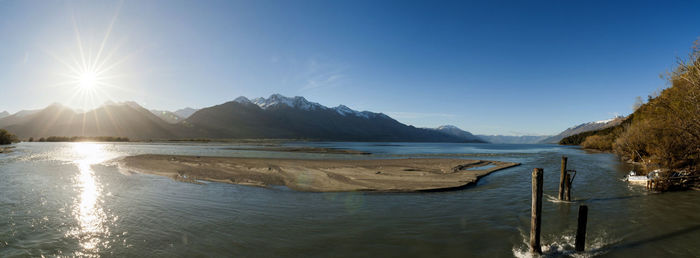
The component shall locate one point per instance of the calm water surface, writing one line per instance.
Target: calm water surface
(68, 199)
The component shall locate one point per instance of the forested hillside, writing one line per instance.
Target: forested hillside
(665, 130)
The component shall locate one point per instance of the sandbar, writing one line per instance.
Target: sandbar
(320, 175)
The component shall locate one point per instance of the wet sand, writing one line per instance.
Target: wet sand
(386, 175)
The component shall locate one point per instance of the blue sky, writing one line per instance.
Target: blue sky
(490, 67)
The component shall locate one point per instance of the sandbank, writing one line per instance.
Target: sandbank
(320, 175)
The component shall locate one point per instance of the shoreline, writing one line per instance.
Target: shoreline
(382, 175)
(7, 149)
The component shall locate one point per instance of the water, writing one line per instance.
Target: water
(68, 199)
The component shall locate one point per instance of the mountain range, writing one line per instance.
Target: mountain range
(585, 127)
(276, 117)
(455, 131)
(124, 119)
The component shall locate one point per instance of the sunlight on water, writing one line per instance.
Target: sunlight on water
(87, 208)
(563, 246)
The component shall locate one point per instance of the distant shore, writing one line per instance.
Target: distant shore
(386, 175)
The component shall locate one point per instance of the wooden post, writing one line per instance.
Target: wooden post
(581, 228)
(536, 218)
(567, 187)
(561, 177)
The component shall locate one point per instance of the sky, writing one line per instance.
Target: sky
(489, 67)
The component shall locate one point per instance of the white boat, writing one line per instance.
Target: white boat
(633, 178)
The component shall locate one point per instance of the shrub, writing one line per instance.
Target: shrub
(598, 142)
(6, 137)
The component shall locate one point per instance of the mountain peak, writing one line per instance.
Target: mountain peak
(455, 131)
(344, 111)
(451, 127)
(295, 102)
(243, 100)
(56, 104)
(608, 120)
(132, 104)
(185, 112)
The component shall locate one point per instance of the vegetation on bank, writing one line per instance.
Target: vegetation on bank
(6, 137)
(81, 139)
(664, 131)
(601, 134)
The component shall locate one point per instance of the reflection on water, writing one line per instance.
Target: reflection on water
(87, 208)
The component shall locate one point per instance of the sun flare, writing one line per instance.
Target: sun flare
(87, 80)
(91, 73)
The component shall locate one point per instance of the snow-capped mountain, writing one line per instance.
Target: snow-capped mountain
(346, 111)
(585, 127)
(276, 100)
(4, 114)
(297, 118)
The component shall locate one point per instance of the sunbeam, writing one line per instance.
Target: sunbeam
(90, 75)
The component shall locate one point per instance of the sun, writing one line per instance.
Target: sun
(92, 73)
(88, 80)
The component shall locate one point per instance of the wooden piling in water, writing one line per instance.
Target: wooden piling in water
(536, 217)
(567, 187)
(581, 228)
(562, 176)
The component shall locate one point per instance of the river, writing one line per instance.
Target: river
(70, 199)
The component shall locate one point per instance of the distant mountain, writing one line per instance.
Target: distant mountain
(124, 119)
(185, 112)
(167, 116)
(276, 117)
(297, 118)
(4, 114)
(507, 139)
(23, 113)
(455, 131)
(585, 127)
